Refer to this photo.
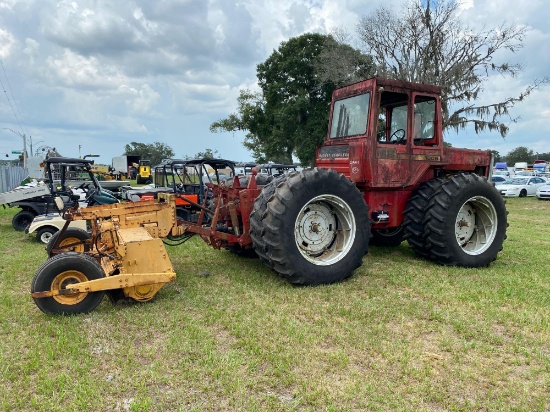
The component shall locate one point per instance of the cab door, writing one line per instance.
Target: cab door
(408, 139)
(426, 142)
(391, 166)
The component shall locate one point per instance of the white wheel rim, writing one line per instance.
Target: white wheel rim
(476, 225)
(46, 236)
(325, 230)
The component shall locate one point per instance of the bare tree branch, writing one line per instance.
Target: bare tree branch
(431, 45)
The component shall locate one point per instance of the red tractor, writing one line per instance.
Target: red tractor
(382, 175)
(382, 170)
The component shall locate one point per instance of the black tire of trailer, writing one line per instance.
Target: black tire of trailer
(73, 239)
(61, 270)
(415, 214)
(22, 220)
(315, 227)
(466, 222)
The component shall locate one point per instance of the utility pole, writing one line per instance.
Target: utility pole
(22, 136)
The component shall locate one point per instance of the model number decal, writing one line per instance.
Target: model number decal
(334, 152)
(429, 158)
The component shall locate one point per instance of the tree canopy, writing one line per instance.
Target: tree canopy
(428, 43)
(289, 115)
(520, 154)
(207, 154)
(154, 152)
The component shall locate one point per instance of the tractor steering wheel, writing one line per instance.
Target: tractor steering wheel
(398, 137)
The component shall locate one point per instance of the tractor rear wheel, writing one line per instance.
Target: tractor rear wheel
(62, 270)
(72, 240)
(466, 222)
(415, 213)
(22, 220)
(315, 227)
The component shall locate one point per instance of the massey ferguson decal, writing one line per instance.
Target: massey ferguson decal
(334, 152)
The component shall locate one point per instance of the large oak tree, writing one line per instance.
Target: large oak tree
(289, 115)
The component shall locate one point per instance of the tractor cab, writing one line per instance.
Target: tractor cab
(386, 137)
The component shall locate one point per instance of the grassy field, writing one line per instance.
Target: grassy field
(402, 334)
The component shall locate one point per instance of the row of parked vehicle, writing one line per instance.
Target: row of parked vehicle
(72, 180)
(523, 183)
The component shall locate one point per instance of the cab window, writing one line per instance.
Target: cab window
(350, 116)
(424, 121)
(392, 118)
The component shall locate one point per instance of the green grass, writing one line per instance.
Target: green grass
(402, 334)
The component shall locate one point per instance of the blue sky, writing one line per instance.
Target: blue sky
(98, 74)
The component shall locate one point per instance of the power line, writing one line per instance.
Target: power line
(15, 112)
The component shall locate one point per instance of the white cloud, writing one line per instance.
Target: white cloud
(111, 72)
(7, 42)
(140, 101)
(76, 71)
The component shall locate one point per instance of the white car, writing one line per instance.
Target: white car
(525, 173)
(48, 225)
(498, 180)
(543, 192)
(520, 186)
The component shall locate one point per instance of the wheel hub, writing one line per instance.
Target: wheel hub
(465, 224)
(476, 225)
(65, 279)
(325, 230)
(316, 228)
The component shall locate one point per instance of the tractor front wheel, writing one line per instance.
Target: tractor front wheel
(257, 230)
(315, 227)
(466, 222)
(60, 271)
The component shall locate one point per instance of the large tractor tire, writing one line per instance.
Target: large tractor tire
(22, 220)
(62, 270)
(257, 231)
(466, 222)
(72, 240)
(415, 214)
(387, 237)
(315, 227)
